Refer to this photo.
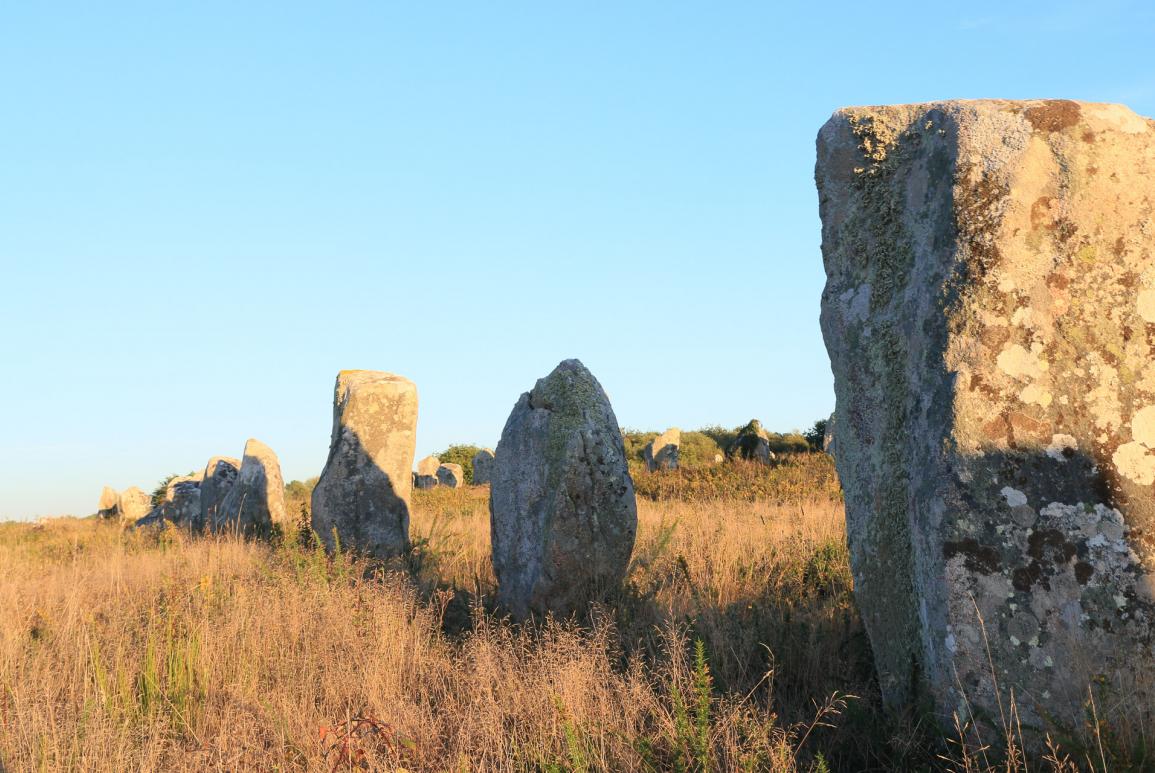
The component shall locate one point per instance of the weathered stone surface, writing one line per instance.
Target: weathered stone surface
(363, 493)
(255, 503)
(109, 499)
(753, 443)
(218, 477)
(170, 489)
(181, 505)
(661, 453)
(450, 475)
(562, 509)
(483, 467)
(133, 504)
(989, 313)
(427, 472)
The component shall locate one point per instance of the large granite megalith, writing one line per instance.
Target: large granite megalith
(255, 503)
(362, 496)
(562, 509)
(990, 317)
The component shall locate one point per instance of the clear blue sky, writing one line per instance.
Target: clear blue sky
(207, 209)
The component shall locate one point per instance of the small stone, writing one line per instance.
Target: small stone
(483, 467)
(753, 443)
(828, 436)
(427, 473)
(661, 453)
(450, 475)
(107, 507)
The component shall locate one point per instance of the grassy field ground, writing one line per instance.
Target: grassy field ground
(735, 645)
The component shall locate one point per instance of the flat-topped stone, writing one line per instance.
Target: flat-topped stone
(362, 496)
(990, 316)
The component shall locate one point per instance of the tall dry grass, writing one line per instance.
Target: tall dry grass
(734, 645)
(132, 651)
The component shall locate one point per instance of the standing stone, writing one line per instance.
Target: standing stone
(219, 476)
(450, 475)
(181, 505)
(255, 503)
(828, 445)
(661, 453)
(562, 510)
(989, 312)
(363, 493)
(483, 467)
(133, 504)
(753, 443)
(427, 472)
(107, 508)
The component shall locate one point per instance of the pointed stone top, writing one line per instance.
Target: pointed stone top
(254, 447)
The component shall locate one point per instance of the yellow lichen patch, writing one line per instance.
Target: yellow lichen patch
(1134, 461)
(1146, 304)
(1036, 394)
(1143, 426)
(1103, 401)
(1019, 363)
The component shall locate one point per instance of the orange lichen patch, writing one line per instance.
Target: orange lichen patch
(1042, 213)
(1053, 115)
(1028, 428)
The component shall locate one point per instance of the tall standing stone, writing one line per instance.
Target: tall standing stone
(363, 493)
(219, 476)
(990, 316)
(255, 503)
(107, 507)
(483, 467)
(427, 473)
(562, 510)
(661, 453)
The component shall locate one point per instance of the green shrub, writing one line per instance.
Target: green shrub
(816, 435)
(788, 443)
(723, 437)
(463, 455)
(698, 450)
(299, 498)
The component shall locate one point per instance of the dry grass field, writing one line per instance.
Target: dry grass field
(735, 645)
